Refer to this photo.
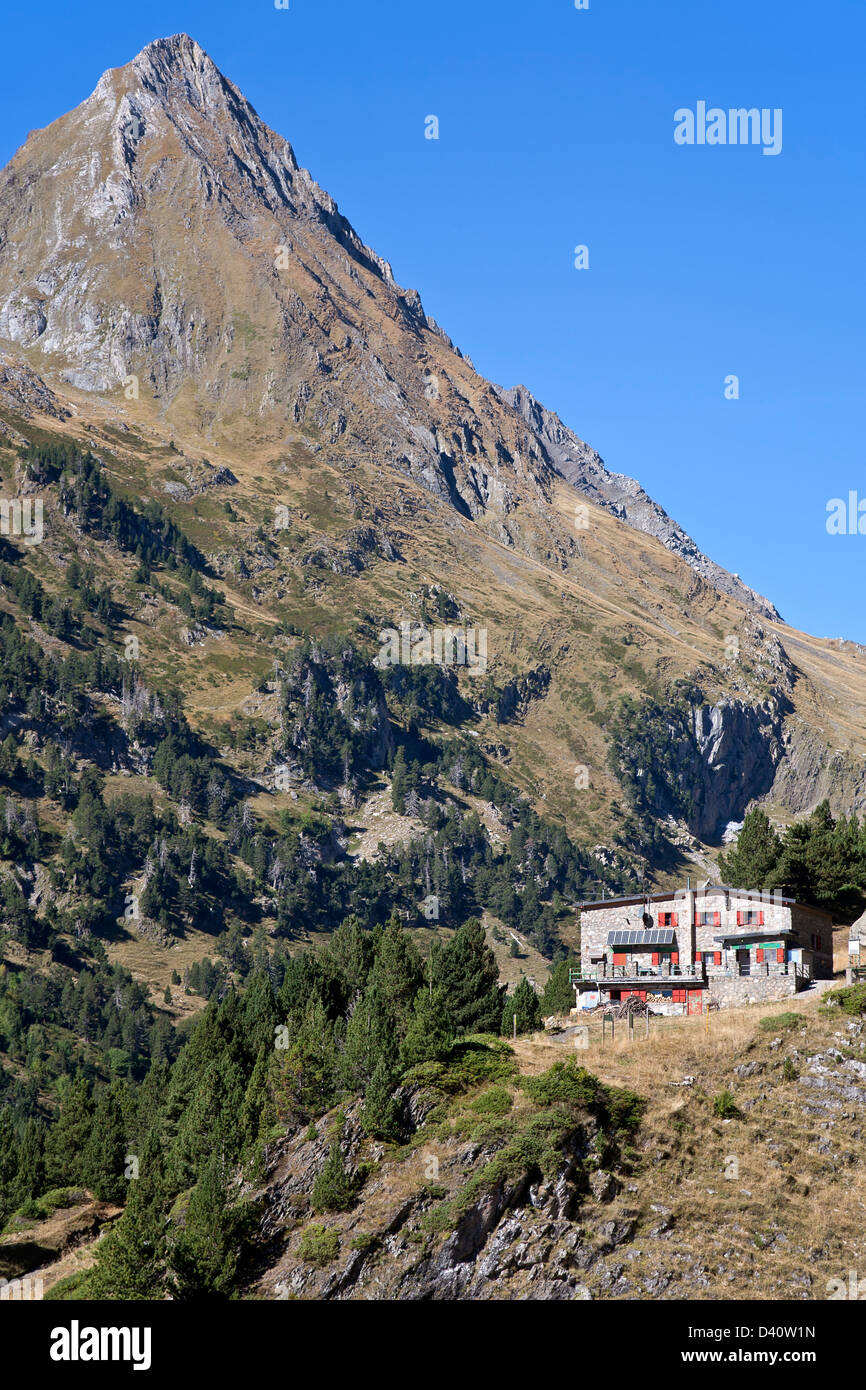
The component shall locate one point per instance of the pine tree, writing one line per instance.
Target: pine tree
(131, 1257)
(523, 1005)
(68, 1137)
(9, 1164)
(430, 1034)
(468, 974)
(30, 1179)
(257, 1112)
(205, 1255)
(751, 862)
(396, 976)
(380, 1116)
(104, 1160)
(399, 782)
(558, 996)
(350, 952)
(369, 1038)
(334, 1188)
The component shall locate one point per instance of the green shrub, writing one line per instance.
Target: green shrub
(789, 1071)
(469, 1064)
(564, 1082)
(366, 1241)
(74, 1286)
(496, 1101)
(851, 1000)
(776, 1023)
(725, 1106)
(319, 1245)
(625, 1108)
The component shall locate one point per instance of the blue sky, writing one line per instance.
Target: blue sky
(556, 129)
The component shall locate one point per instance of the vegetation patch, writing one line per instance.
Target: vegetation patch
(778, 1023)
(319, 1245)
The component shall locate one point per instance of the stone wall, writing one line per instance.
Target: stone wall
(755, 989)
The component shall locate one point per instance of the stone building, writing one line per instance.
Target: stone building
(856, 968)
(679, 949)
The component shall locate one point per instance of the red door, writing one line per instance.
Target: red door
(696, 1001)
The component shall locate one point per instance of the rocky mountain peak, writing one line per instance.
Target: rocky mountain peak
(162, 239)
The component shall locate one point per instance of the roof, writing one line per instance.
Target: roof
(762, 934)
(663, 936)
(679, 894)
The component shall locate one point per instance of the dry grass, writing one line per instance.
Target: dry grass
(757, 1208)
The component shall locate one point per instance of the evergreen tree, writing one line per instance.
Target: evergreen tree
(257, 1111)
(399, 782)
(9, 1164)
(303, 1076)
(131, 1257)
(430, 1034)
(205, 1254)
(468, 975)
(30, 1179)
(558, 996)
(350, 953)
(750, 863)
(396, 976)
(523, 1005)
(334, 1188)
(68, 1137)
(380, 1116)
(369, 1039)
(104, 1159)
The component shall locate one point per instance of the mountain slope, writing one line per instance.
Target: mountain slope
(179, 296)
(623, 497)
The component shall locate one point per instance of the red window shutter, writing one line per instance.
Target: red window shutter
(619, 958)
(717, 919)
(739, 919)
(674, 921)
(675, 957)
(760, 919)
(759, 955)
(780, 955)
(718, 957)
(655, 957)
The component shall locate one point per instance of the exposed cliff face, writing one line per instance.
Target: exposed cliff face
(701, 763)
(739, 747)
(623, 497)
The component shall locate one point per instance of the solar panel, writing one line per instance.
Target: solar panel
(663, 936)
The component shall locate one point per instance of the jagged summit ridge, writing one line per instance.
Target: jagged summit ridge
(162, 232)
(624, 497)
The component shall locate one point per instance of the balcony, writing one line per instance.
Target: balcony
(627, 974)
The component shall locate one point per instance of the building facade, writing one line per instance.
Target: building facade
(677, 950)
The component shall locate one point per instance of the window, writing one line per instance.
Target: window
(750, 919)
(667, 919)
(708, 919)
